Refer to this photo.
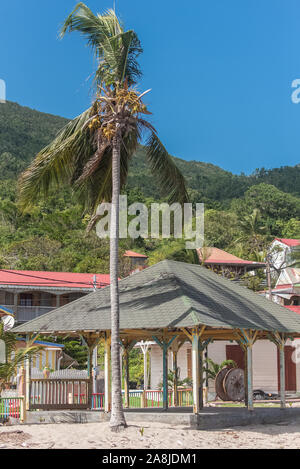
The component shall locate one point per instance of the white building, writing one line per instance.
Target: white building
(281, 250)
(265, 363)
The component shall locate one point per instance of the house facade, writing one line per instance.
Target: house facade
(265, 364)
(226, 264)
(287, 289)
(281, 250)
(29, 294)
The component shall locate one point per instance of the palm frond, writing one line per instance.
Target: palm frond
(58, 161)
(95, 28)
(165, 170)
(115, 49)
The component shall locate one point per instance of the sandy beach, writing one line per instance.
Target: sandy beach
(146, 435)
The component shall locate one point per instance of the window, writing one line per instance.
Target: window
(26, 299)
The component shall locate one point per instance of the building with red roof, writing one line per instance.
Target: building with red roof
(281, 253)
(223, 262)
(29, 294)
(289, 242)
(137, 261)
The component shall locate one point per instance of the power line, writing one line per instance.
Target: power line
(52, 279)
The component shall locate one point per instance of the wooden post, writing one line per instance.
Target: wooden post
(94, 368)
(91, 344)
(164, 345)
(175, 388)
(282, 375)
(126, 345)
(90, 377)
(28, 379)
(249, 377)
(196, 372)
(197, 366)
(126, 377)
(246, 340)
(200, 375)
(175, 348)
(144, 347)
(22, 393)
(279, 339)
(107, 373)
(245, 376)
(165, 377)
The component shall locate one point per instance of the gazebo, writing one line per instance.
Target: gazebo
(170, 303)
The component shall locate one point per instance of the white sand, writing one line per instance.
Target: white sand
(155, 436)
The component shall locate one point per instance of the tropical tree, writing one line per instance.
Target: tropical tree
(92, 152)
(211, 368)
(14, 357)
(253, 232)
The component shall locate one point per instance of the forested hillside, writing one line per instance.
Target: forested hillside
(243, 213)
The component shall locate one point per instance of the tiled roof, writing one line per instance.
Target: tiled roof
(218, 256)
(134, 254)
(170, 294)
(295, 308)
(289, 242)
(67, 280)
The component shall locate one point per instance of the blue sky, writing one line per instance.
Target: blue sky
(220, 72)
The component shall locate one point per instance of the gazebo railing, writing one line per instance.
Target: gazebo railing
(59, 394)
(151, 398)
(185, 397)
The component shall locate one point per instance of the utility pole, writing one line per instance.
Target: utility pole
(268, 265)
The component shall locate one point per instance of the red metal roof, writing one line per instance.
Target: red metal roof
(289, 242)
(218, 256)
(295, 308)
(134, 254)
(67, 280)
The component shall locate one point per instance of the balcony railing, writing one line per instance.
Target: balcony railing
(26, 313)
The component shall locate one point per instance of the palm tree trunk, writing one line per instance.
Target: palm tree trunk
(117, 420)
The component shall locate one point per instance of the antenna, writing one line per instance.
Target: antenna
(95, 282)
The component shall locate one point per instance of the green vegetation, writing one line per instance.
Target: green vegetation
(57, 226)
(243, 213)
(13, 355)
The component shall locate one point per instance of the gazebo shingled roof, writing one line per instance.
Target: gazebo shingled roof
(170, 294)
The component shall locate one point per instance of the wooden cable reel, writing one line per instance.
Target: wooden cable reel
(230, 385)
(219, 384)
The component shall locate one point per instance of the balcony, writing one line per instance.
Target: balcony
(27, 313)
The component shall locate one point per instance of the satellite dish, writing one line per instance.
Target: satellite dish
(8, 322)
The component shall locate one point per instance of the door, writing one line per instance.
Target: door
(236, 353)
(290, 369)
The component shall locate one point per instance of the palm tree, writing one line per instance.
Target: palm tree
(253, 232)
(92, 152)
